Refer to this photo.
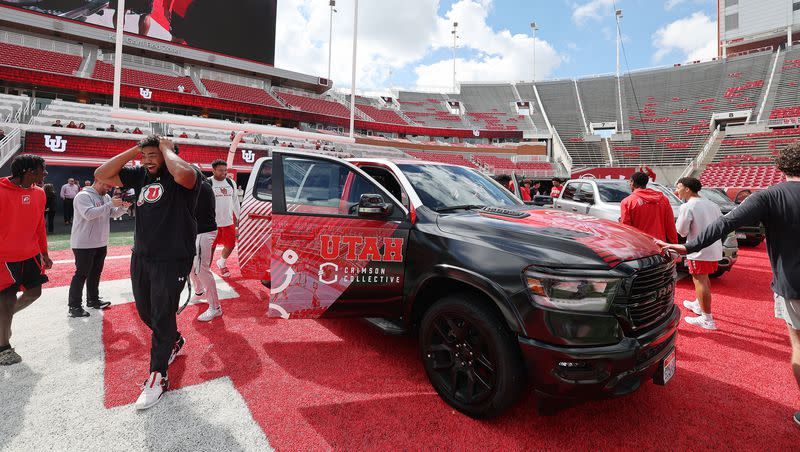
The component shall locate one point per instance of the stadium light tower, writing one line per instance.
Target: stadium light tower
(535, 28)
(330, 36)
(618, 14)
(455, 36)
(353, 79)
(118, 52)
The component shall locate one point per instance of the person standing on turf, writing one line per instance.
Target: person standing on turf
(68, 192)
(201, 276)
(163, 247)
(227, 208)
(94, 209)
(648, 210)
(23, 255)
(696, 214)
(778, 208)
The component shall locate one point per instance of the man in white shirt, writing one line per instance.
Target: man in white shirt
(227, 212)
(68, 192)
(695, 215)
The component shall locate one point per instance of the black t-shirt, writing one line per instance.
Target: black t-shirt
(166, 226)
(206, 209)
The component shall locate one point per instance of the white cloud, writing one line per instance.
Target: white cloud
(673, 3)
(385, 38)
(397, 35)
(694, 36)
(592, 10)
(496, 55)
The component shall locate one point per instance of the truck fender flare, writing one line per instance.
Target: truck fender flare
(480, 283)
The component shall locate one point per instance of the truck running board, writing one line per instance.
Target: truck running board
(388, 326)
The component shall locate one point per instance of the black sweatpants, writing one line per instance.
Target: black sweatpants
(68, 209)
(88, 267)
(157, 286)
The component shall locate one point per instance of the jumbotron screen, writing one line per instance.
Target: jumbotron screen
(239, 28)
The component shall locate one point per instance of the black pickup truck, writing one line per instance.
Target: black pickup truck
(500, 294)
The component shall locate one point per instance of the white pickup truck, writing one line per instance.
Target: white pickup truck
(601, 198)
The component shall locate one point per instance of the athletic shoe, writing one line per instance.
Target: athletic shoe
(694, 306)
(198, 296)
(176, 349)
(796, 418)
(701, 322)
(152, 390)
(222, 268)
(210, 314)
(98, 304)
(9, 357)
(78, 312)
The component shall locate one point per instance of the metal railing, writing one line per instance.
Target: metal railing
(9, 145)
(697, 161)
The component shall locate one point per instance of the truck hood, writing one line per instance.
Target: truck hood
(552, 237)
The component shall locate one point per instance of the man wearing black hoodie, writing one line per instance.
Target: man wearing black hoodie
(778, 208)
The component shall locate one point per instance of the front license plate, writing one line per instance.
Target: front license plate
(668, 367)
(741, 236)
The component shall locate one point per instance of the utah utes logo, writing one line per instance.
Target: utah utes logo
(145, 93)
(248, 156)
(152, 193)
(56, 144)
(26, 199)
(476, 133)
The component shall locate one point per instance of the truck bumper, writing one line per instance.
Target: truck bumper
(591, 372)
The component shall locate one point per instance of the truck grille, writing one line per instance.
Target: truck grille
(651, 297)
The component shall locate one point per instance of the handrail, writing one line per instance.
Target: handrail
(697, 161)
(9, 145)
(769, 86)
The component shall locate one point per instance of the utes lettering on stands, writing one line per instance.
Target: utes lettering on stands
(57, 144)
(145, 93)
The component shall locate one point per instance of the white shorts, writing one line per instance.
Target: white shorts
(788, 310)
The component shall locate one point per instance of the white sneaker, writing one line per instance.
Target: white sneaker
(694, 306)
(198, 297)
(153, 389)
(701, 322)
(222, 268)
(210, 314)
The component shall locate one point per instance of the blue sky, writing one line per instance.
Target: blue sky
(408, 44)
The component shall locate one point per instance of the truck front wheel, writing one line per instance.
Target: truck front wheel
(471, 358)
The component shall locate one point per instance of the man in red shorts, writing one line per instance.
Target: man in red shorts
(227, 208)
(23, 255)
(696, 214)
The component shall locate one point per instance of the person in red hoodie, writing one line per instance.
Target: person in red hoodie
(648, 210)
(23, 256)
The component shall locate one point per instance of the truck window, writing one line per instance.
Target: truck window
(570, 190)
(586, 193)
(321, 187)
(263, 186)
(388, 181)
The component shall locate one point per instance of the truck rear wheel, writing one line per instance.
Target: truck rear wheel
(471, 358)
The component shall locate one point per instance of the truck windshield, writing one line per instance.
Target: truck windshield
(443, 186)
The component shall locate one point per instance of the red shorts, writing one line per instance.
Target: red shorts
(226, 236)
(702, 267)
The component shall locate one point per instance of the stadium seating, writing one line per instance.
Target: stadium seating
(135, 77)
(454, 159)
(737, 173)
(381, 114)
(490, 106)
(240, 93)
(313, 104)
(41, 60)
(429, 109)
(787, 95)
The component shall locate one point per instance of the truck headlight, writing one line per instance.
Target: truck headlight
(586, 294)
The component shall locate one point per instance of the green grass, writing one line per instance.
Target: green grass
(60, 242)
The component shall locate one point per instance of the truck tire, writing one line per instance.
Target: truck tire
(470, 356)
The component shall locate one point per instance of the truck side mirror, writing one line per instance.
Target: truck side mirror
(373, 206)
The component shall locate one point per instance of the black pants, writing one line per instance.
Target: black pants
(88, 267)
(51, 216)
(156, 288)
(68, 209)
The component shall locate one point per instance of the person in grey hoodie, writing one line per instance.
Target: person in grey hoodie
(94, 209)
